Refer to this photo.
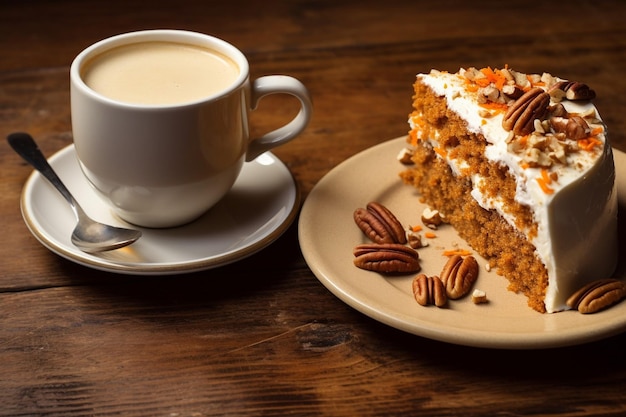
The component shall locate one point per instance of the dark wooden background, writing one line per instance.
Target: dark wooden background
(263, 336)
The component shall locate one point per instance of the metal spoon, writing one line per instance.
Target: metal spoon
(89, 235)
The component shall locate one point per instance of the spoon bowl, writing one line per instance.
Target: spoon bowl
(89, 235)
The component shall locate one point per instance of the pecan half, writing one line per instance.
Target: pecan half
(574, 127)
(459, 275)
(379, 224)
(572, 90)
(520, 117)
(597, 295)
(387, 258)
(429, 291)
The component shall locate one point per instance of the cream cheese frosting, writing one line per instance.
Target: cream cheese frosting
(569, 183)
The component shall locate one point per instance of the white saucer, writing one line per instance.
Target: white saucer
(261, 205)
(328, 235)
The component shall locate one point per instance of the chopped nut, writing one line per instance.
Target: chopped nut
(479, 296)
(548, 79)
(590, 115)
(473, 74)
(512, 91)
(431, 218)
(405, 156)
(534, 78)
(484, 113)
(490, 93)
(415, 240)
(574, 127)
(520, 79)
(557, 110)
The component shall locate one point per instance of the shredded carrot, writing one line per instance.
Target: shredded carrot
(524, 165)
(460, 252)
(490, 105)
(492, 76)
(544, 182)
(440, 151)
(413, 137)
(416, 228)
(589, 143)
(418, 120)
(523, 140)
(596, 131)
(545, 176)
(471, 88)
(430, 235)
(482, 82)
(488, 72)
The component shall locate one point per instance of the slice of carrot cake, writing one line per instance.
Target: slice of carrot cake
(520, 165)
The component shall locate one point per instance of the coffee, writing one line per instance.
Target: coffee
(159, 73)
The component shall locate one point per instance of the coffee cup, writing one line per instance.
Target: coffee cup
(160, 122)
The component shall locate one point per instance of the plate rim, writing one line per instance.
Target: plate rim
(418, 326)
(98, 262)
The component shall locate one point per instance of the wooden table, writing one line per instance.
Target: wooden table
(263, 336)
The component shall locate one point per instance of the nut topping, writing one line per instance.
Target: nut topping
(459, 275)
(387, 258)
(379, 224)
(597, 295)
(572, 90)
(429, 291)
(521, 115)
(574, 128)
(512, 91)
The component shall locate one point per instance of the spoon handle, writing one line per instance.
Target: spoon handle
(25, 146)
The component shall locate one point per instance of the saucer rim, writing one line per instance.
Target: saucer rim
(98, 262)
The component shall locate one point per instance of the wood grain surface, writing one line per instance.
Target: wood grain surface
(263, 336)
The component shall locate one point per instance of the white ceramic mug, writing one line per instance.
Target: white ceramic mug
(165, 162)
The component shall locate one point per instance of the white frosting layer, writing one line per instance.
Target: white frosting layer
(576, 224)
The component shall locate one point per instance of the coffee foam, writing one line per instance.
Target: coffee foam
(159, 73)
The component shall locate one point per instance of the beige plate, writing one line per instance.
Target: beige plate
(328, 235)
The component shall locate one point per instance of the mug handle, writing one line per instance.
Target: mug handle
(279, 84)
